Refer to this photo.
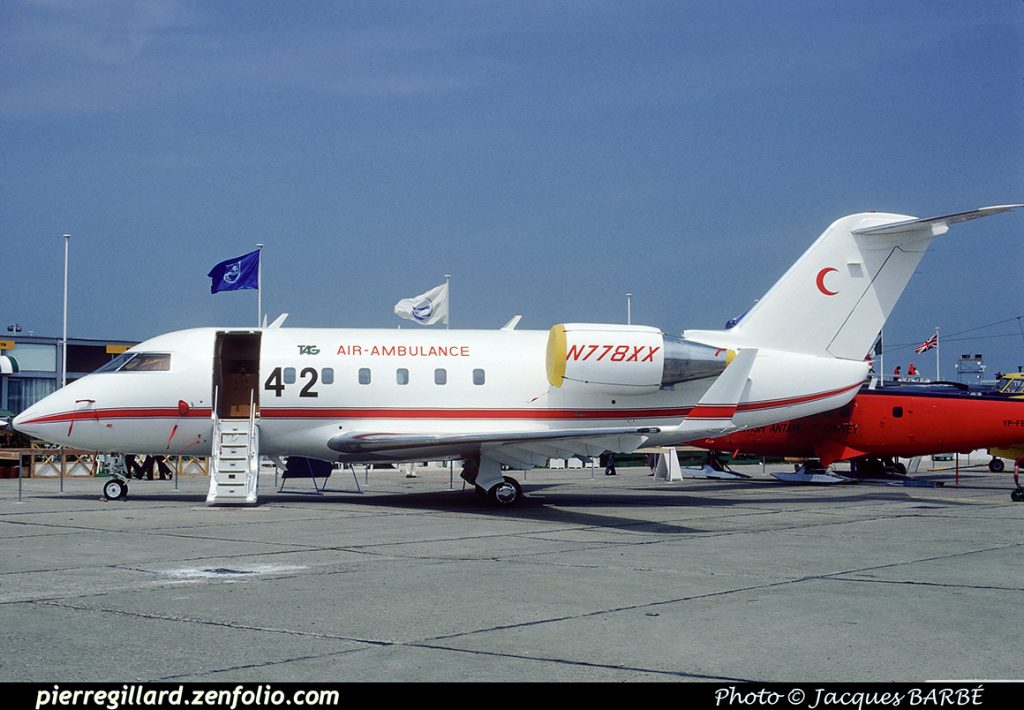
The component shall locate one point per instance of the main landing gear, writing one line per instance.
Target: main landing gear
(485, 475)
(507, 493)
(867, 466)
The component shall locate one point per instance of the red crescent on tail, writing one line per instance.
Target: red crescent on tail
(821, 281)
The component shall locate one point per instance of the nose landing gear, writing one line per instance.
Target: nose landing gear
(115, 489)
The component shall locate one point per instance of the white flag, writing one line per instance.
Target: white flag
(427, 308)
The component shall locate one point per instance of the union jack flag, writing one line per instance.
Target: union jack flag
(932, 342)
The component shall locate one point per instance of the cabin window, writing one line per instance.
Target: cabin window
(402, 376)
(327, 375)
(289, 375)
(440, 376)
(364, 375)
(478, 377)
(897, 412)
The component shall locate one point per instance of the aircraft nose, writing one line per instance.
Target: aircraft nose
(22, 422)
(43, 418)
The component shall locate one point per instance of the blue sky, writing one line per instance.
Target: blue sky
(551, 156)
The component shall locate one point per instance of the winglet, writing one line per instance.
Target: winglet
(511, 325)
(715, 410)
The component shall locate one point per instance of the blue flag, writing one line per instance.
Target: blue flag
(236, 274)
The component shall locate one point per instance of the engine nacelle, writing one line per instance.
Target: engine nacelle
(626, 359)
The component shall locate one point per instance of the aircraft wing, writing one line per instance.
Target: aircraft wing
(524, 449)
(514, 448)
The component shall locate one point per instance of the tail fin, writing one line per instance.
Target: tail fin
(837, 296)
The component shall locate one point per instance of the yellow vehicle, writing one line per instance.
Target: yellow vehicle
(1011, 384)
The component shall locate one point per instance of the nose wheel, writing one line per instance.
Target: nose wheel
(115, 489)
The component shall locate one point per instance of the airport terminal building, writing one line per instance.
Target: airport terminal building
(31, 365)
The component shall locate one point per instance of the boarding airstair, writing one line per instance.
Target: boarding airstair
(235, 461)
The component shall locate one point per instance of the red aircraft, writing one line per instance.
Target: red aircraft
(888, 422)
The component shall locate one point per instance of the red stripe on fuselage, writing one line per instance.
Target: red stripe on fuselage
(448, 413)
(119, 413)
(790, 401)
(700, 411)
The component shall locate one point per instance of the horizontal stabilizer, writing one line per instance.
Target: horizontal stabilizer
(935, 223)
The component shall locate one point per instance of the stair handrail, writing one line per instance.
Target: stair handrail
(253, 447)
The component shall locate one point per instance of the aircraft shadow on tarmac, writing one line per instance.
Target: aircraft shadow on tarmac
(545, 503)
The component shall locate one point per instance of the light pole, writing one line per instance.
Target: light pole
(64, 341)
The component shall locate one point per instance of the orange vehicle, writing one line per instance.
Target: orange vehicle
(882, 424)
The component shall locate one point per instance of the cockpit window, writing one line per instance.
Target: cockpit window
(149, 362)
(138, 362)
(115, 364)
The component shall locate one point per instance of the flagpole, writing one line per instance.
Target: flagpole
(448, 290)
(938, 376)
(259, 286)
(64, 350)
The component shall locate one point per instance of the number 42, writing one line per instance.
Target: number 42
(275, 382)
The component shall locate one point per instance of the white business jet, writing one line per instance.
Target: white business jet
(497, 397)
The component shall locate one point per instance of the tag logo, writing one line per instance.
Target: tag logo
(309, 350)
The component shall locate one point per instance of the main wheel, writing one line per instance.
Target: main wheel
(1017, 495)
(996, 465)
(507, 493)
(115, 489)
(900, 468)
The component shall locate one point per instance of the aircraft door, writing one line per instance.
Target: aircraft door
(236, 373)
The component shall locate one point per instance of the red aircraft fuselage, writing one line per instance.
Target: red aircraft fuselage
(889, 422)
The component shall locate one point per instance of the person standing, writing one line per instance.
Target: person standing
(607, 459)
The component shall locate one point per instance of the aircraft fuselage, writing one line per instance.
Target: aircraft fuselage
(309, 385)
